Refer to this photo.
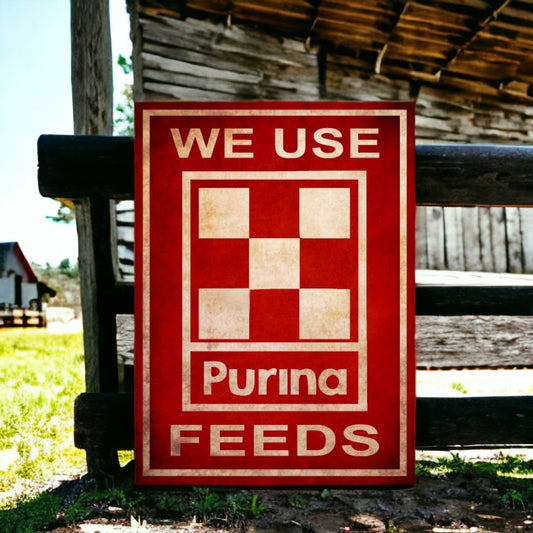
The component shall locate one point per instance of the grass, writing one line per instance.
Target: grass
(40, 374)
(193, 505)
(511, 476)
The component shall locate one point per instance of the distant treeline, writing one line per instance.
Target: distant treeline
(65, 280)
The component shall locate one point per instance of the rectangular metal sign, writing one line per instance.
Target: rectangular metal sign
(274, 293)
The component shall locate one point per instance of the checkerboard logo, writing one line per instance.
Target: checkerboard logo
(274, 263)
(274, 277)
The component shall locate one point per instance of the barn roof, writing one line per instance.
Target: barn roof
(481, 46)
(12, 248)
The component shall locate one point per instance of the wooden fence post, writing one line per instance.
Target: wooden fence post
(92, 102)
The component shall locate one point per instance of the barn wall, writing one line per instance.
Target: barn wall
(200, 60)
(11, 262)
(7, 290)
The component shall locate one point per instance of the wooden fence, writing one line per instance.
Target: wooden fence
(484, 239)
(92, 171)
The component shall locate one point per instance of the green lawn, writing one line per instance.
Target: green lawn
(40, 375)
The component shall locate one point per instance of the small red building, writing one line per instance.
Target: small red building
(20, 290)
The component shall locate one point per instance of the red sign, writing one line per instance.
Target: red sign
(274, 293)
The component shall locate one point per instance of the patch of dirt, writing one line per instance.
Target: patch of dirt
(460, 504)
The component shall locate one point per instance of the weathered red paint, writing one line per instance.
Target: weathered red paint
(275, 293)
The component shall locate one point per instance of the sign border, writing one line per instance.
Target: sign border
(405, 387)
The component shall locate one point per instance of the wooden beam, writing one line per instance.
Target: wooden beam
(136, 35)
(454, 301)
(97, 285)
(442, 423)
(488, 342)
(474, 175)
(501, 421)
(442, 342)
(92, 104)
(478, 31)
(443, 300)
(445, 175)
(384, 48)
(91, 67)
(72, 166)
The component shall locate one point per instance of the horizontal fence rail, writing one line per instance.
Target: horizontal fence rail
(465, 175)
(442, 423)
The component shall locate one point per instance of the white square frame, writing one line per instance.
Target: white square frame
(353, 349)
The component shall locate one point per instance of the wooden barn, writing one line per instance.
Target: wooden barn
(20, 291)
(468, 65)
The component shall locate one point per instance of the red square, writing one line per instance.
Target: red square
(221, 263)
(274, 210)
(328, 264)
(274, 315)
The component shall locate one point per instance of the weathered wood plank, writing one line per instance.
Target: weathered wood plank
(485, 241)
(435, 238)
(441, 341)
(475, 422)
(122, 297)
(526, 226)
(449, 301)
(421, 238)
(344, 82)
(441, 422)
(213, 59)
(514, 239)
(97, 284)
(477, 279)
(125, 338)
(492, 175)
(453, 239)
(474, 342)
(91, 67)
(458, 175)
(162, 91)
(92, 99)
(471, 238)
(498, 238)
(156, 62)
(223, 60)
(202, 36)
(103, 419)
(125, 334)
(79, 166)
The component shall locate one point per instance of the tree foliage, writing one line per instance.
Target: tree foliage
(124, 109)
(64, 213)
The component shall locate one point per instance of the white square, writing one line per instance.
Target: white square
(325, 213)
(224, 313)
(224, 213)
(274, 263)
(324, 313)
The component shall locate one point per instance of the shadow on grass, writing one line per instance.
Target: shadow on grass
(37, 513)
(78, 500)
